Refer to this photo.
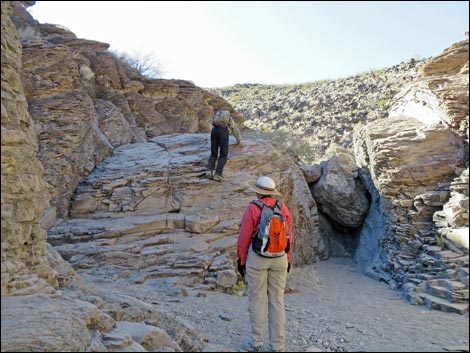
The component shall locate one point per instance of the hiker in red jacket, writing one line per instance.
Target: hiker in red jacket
(266, 276)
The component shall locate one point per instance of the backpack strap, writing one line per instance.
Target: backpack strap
(265, 210)
(258, 203)
(261, 204)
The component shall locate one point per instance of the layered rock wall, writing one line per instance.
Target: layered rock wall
(412, 158)
(85, 102)
(25, 193)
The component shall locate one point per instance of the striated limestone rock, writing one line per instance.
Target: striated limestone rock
(452, 221)
(441, 94)
(414, 157)
(450, 62)
(25, 269)
(85, 101)
(57, 324)
(150, 211)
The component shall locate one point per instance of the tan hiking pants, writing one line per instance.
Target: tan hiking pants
(266, 279)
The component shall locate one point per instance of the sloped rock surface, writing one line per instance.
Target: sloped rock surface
(149, 214)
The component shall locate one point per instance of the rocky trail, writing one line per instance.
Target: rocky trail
(331, 307)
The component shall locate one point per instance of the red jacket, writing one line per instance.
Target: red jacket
(249, 225)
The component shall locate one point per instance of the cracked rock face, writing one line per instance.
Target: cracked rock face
(152, 207)
(417, 159)
(25, 269)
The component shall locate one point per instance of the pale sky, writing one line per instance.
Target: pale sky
(222, 43)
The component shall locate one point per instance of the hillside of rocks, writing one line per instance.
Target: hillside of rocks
(102, 184)
(316, 119)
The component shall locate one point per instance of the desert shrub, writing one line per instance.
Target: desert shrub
(145, 64)
(294, 144)
(237, 287)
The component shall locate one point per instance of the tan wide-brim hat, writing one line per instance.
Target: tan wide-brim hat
(264, 186)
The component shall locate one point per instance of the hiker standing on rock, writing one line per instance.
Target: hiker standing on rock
(222, 125)
(265, 264)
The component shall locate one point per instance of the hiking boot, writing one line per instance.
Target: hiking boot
(248, 347)
(217, 177)
(210, 174)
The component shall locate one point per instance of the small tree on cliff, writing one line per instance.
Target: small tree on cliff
(145, 64)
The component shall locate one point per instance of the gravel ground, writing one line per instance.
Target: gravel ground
(331, 307)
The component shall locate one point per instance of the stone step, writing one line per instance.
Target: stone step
(460, 296)
(440, 292)
(436, 303)
(461, 261)
(449, 255)
(462, 275)
(448, 284)
(81, 230)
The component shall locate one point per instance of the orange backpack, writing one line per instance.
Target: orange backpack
(272, 237)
